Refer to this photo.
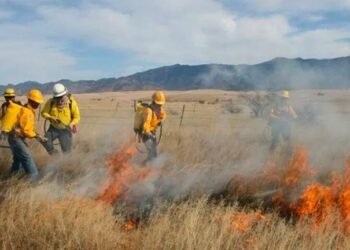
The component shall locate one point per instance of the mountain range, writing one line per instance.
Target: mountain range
(279, 73)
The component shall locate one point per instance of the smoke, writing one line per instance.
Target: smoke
(227, 151)
(206, 171)
(201, 161)
(323, 114)
(328, 136)
(218, 76)
(198, 163)
(279, 73)
(84, 169)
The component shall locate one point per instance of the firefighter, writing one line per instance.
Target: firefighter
(153, 116)
(63, 113)
(10, 96)
(281, 115)
(18, 126)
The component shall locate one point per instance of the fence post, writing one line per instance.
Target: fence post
(182, 115)
(135, 102)
(116, 107)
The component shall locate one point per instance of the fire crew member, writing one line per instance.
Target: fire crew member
(23, 128)
(154, 115)
(281, 114)
(63, 114)
(10, 96)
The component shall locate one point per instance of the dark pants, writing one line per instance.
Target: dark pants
(64, 137)
(279, 130)
(22, 158)
(151, 146)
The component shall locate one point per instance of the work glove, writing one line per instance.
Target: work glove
(74, 129)
(54, 119)
(3, 136)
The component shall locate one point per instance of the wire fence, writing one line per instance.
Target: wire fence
(189, 114)
(180, 114)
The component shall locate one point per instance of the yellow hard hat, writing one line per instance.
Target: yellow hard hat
(284, 94)
(36, 96)
(10, 92)
(158, 97)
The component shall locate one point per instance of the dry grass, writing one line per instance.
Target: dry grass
(31, 219)
(195, 161)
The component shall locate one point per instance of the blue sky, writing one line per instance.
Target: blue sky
(48, 40)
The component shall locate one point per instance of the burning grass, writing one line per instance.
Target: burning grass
(32, 221)
(131, 211)
(122, 174)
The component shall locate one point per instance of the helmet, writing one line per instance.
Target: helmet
(284, 94)
(158, 97)
(59, 90)
(36, 96)
(10, 92)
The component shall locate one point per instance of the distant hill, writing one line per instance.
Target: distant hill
(279, 73)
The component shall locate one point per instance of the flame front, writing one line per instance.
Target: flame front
(298, 168)
(315, 203)
(122, 174)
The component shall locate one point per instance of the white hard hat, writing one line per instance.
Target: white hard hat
(59, 90)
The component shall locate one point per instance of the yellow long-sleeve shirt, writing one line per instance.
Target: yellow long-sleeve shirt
(68, 116)
(26, 123)
(152, 120)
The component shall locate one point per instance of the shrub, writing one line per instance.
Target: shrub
(258, 103)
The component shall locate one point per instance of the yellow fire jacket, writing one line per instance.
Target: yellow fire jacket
(68, 116)
(152, 120)
(26, 123)
(5, 105)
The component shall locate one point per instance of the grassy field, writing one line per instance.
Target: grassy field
(215, 184)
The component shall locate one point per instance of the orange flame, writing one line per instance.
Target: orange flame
(122, 174)
(244, 222)
(130, 225)
(297, 171)
(298, 168)
(319, 201)
(316, 201)
(344, 198)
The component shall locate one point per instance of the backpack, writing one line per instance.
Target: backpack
(140, 110)
(10, 119)
(4, 107)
